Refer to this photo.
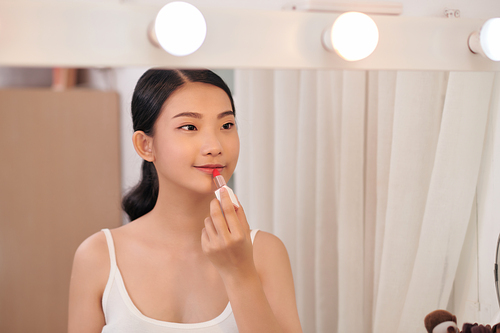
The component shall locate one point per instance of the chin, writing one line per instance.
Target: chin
(205, 190)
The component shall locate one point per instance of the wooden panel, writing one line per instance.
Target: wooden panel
(59, 183)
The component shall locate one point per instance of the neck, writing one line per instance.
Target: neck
(179, 215)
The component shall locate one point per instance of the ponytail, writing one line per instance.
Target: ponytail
(142, 198)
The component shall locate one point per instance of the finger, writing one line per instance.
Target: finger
(218, 219)
(240, 212)
(229, 212)
(210, 228)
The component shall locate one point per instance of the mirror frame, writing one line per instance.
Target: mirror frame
(80, 34)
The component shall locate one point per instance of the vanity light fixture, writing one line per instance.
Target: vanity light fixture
(179, 28)
(486, 41)
(353, 35)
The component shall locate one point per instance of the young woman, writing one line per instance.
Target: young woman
(186, 262)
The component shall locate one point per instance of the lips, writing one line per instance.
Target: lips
(209, 168)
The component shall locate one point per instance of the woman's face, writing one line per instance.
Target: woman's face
(194, 134)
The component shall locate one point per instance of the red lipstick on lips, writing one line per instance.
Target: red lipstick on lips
(209, 168)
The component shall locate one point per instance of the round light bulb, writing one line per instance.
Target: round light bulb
(490, 39)
(354, 36)
(180, 28)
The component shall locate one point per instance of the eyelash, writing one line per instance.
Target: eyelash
(192, 126)
(182, 127)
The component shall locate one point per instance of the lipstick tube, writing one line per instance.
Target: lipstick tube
(221, 182)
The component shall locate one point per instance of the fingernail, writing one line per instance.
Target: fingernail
(223, 189)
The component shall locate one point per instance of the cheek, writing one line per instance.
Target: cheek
(171, 150)
(237, 148)
(234, 147)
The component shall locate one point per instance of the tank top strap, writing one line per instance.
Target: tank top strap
(111, 247)
(112, 270)
(253, 233)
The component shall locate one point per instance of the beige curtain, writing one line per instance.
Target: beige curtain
(369, 178)
(473, 294)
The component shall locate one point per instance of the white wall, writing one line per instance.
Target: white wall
(435, 8)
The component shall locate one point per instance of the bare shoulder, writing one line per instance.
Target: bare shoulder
(269, 252)
(265, 241)
(93, 249)
(92, 259)
(91, 266)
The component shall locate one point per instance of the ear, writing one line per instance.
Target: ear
(143, 145)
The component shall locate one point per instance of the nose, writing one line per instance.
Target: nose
(211, 145)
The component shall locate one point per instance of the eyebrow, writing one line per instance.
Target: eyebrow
(225, 114)
(199, 115)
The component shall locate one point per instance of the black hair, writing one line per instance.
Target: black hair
(152, 90)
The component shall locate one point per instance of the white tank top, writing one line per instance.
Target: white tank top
(122, 316)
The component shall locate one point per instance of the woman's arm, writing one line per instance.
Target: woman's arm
(273, 264)
(88, 279)
(260, 290)
(273, 289)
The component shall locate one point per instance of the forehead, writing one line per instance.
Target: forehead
(197, 97)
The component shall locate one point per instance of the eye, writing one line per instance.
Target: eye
(188, 127)
(228, 126)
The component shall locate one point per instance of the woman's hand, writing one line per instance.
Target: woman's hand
(226, 239)
(259, 305)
